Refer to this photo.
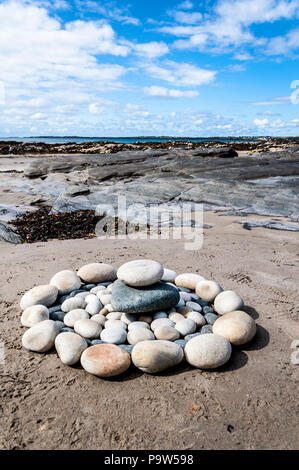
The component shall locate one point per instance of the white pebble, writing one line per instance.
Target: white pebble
(71, 317)
(88, 328)
(34, 314)
(186, 326)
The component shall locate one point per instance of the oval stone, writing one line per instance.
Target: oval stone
(208, 290)
(72, 304)
(141, 272)
(208, 351)
(155, 356)
(227, 301)
(188, 280)
(69, 347)
(105, 360)
(114, 335)
(195, 306)
(115, 323)
(97, 272)
(166, 332)
(71, 317)
(197, 317)
(138, 324)
(160, 322)
(101, 319)
(237, 327)
(176, 317)
(138, 334)
(169, 275)
(66, 281)
(41, 295)
(33, 315)
(129, 299)
(87, 328)
(186, 326)
(41, 337)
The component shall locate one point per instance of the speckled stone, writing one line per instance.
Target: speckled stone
(97, 272)
(69, 347)
(34, 314)
(208, 351)
(237, 327)
(41, 295)
(155, 356)
(144, 299)
(66, 281)
(105, 360)
(140, 273)
(41, 337)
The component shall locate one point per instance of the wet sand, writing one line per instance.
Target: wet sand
(250, 403)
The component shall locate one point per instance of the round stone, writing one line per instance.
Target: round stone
(138, 324)
(115, 323)
(140, 273)
(208, 290)
(237, 327)
(60, 325)
(138, 334)
(57, 316)
(195, 306)
(105, 360)
(69, 347)
(211, 318)
(188, 280)
(181, 342)
(104, 297)
(208, 351)
(208, 309)
(41, 295)
(97, 272)
(169, 275)
(97, 289)
(206, 329)
(129, 299)
(166, 332)
(72, 304)
(114, 335)
(155, 356)
(186, 326)
(185, 296)
(227, 301)
(41, 337)
(176, 317)
(33, 315)
(88, 328)
(66, 281)
(160, 322)
(71, 317)
(197, 317)
(101, 319)
(180, 304)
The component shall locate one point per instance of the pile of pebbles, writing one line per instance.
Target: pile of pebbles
(141, 314)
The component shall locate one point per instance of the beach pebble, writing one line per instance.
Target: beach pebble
(33, 315)
(57, 316)
(96, 341)
(211, 318)
(88, 328)
(188, 280)
(104, 297)
(69, 347)
(139, 324)
(193, 335)
(128, 318)
(155, 356)
(60, 325)
(197, 317)
(169, 275)
(127, 347)
(97, 272)
(101, 319)
(41, 337)
(41, 295)
(109, 308)
(93, 304)
(166, 332)
(141, 272)
(77, 314)
(114, 316)
(181, 342)
(185, 297)
(72, 304)
(159, 315)
(208, 309)
(206, 329)
(227, 301)
(186, 326)
(97, 289)
(66, 281)
(66, 329)
(175, 317)
(114, 335)
(76, 292)
(237, 327)
(115, 323)
(138, 334)
(160, 322)
(105, 360)
(146, 318)
(195, 306)
(181, 303)
(208, 290)
(55, 308)
(208, 351)
(160, 296)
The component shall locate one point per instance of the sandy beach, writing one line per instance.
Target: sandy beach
(250, 403)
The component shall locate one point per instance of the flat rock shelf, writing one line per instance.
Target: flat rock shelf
(142, 314)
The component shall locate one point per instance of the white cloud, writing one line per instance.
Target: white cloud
(274, 101)
(109, 11)
(185, 5)
(181, 74)
(159, 91)
(186, 17)
(151, 50)
(261, 122)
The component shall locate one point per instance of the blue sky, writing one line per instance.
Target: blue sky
(159, 67)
